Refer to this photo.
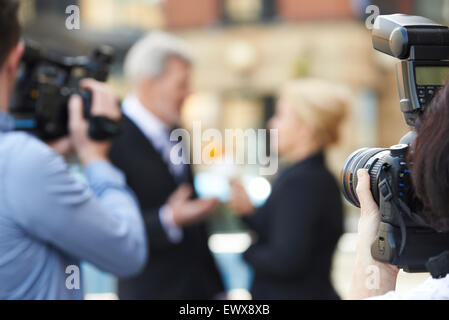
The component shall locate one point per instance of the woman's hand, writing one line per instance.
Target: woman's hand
(239, 202)
(370, 277)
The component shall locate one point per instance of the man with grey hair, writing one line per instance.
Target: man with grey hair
(158, 68)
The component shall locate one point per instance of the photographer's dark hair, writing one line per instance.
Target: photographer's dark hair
(430, 157)
(9, 27)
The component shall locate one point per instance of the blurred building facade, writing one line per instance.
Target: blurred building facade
(245, 50)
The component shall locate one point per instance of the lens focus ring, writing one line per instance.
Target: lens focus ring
(366, 158)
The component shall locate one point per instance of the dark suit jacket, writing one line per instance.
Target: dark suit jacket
(298, 228)
(174, 271)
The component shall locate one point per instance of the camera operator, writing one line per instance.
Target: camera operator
(48, 220)
(430, 176)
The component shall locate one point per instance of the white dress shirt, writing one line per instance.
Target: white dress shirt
(431, 289)
(158, 133)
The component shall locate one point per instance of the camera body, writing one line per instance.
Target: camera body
(44, 85)
(404, 239)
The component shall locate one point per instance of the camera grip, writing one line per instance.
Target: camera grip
(100, 128)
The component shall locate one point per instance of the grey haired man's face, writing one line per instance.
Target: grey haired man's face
(171, 89)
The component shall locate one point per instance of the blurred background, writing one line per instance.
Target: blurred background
(244, 51)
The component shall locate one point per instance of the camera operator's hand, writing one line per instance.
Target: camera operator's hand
(370, 277)
(239, 201)
(186, 211)
(104, 104)
(62, 146)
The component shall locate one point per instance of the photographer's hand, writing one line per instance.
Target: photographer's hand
(370, 277)
(103, 104)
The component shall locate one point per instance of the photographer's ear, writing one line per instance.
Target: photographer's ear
(12, 62)
(10, 67)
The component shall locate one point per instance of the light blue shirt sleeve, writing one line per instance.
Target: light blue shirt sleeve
(99, 223)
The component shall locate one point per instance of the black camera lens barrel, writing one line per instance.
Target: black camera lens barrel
(365, 158)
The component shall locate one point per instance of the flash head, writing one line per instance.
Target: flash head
(422, 46)
(410, 37)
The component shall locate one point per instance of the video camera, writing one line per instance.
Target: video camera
(404, 239)
(44, 85)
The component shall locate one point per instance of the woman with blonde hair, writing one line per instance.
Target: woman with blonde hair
(299, 225)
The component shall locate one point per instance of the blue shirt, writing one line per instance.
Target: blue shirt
(50, 221)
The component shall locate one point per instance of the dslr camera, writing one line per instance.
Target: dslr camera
(45, 83)
(404, 239)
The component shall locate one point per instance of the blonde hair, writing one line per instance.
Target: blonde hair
(320, 104)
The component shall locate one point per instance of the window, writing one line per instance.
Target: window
(248, 11)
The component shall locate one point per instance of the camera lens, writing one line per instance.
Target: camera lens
(365, 158)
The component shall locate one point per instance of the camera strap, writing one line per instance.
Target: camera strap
(413, 216)
(439, 266)
(403, 228)
(386, 202)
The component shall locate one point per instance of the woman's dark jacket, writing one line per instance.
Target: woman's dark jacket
(298, 229)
